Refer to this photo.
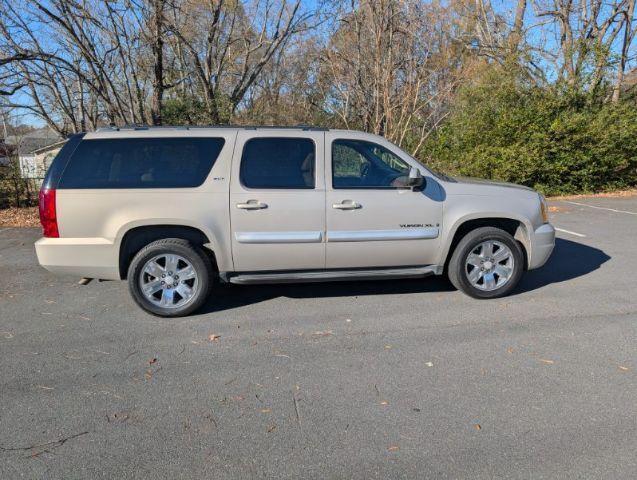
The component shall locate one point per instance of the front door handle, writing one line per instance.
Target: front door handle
(252, 205)
(347, 205)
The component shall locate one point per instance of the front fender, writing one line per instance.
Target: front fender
(461, 209)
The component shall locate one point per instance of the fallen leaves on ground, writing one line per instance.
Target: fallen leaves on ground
(323, 333)
(213, 337)
(616, 194)
(19, 217)
(547, 361)
(393, 448)
(622, 368)
(119, 417)
(477, 426)
(154, 368)
(555, 208)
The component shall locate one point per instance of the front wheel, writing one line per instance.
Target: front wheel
(487, 263)
(170, 277)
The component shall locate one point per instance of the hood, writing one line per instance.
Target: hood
(492, 183)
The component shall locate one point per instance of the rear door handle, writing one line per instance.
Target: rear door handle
(252, 205)
(347, 205)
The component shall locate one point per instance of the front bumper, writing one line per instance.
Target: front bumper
(542, 244)
(82, 257)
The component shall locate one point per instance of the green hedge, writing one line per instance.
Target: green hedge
(548, 138)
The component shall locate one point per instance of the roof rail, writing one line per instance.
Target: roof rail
(194, 127)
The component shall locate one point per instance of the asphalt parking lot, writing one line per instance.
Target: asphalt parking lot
(400, 379)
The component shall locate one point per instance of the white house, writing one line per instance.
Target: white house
(36, 150)
(35, 163)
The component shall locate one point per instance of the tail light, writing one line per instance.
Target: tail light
(48, 216)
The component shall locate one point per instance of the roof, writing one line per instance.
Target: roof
(49, 147)
(34, 141)
(199, 127)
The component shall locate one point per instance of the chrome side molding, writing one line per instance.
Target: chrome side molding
(382, 235)
(279, 237)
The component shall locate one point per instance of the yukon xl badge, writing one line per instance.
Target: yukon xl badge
(414, 225)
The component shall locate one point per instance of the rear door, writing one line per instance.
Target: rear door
(372, 220)
(277, 200)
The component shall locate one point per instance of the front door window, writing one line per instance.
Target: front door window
(361, 164)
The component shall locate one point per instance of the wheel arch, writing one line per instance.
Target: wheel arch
(517, 227)
(137, 237)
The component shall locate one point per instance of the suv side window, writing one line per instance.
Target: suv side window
(273, 162)
(361, 164)
(141, 163)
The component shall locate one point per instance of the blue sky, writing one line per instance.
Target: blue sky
(535, 35)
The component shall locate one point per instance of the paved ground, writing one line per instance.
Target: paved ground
(401, 379)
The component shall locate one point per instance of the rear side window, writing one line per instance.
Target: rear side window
(278, 163)
(52, 178)
(141, 163)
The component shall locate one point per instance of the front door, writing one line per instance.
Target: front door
(372, 219)
(277, 201)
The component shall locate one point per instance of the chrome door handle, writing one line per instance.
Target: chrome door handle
(252, 205)
(347, 205)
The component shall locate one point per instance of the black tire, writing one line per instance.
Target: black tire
(457, 265)
(192, 254)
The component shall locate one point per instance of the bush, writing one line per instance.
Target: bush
(15, 190)
(184, 111)
(548, 138)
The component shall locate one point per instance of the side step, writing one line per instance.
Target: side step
(332, 275)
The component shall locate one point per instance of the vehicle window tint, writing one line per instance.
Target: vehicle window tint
(141, 163)
(278, 163)
(53, 174)
(360, 164)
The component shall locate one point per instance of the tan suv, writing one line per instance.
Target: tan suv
(172, 209)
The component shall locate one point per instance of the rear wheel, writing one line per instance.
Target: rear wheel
(487, 263)
(170, 277)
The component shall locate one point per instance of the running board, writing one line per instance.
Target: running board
(332, 275)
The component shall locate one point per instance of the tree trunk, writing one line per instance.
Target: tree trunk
(628, 37)
(516, 34)
(158, 56)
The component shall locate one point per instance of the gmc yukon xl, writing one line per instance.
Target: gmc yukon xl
(172, 209)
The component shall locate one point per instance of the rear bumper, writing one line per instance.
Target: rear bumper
(542, 244)
(82, 257)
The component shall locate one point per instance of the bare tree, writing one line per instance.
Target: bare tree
(228, 44)
(587, 31)
(390, 70)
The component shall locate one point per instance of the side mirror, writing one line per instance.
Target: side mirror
(415, 180)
